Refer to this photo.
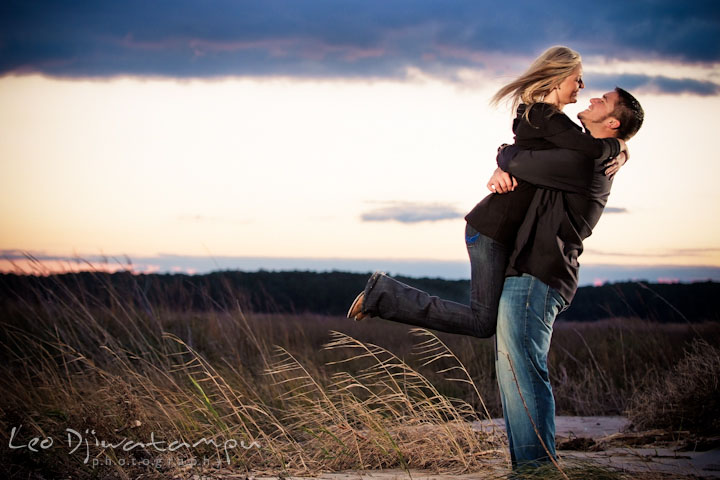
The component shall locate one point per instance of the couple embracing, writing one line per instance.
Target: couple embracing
(524, 240)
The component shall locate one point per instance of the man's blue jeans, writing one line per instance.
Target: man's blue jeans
(526, 314)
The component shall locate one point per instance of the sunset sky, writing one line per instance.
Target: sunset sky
(354, 135)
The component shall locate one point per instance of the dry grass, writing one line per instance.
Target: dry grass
(315, 394)
(596, 368)
(687, 398)
(117, 373)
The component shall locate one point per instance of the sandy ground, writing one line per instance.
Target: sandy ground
(661, 460)
(626, 458)
(633, 459)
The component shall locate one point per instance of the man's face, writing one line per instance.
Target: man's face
(599, 109)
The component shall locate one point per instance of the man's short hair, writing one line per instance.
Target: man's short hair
(629, 113)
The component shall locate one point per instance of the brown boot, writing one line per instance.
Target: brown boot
(356, 307)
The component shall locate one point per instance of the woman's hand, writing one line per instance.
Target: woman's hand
(501, 182)
(613, 165)
(624, 148)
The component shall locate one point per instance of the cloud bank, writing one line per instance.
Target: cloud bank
(653, 83)
(412, 213)
(667, 253)
(615, 210)
(352, 38)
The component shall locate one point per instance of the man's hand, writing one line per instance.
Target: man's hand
(613, 165)
(501, 182)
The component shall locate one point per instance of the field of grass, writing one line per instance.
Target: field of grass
(120, 390)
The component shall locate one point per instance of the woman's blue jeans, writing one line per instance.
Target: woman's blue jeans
(526, 314)
(387, 298)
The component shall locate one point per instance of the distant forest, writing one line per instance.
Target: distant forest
(330, 293)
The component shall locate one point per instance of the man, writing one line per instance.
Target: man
(542, 274)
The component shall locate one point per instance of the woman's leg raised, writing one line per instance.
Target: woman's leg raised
(390, 299)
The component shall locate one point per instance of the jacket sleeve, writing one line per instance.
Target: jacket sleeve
(557, 169)
(574, 139)
(562, 132)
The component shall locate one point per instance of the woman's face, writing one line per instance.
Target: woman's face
(569, 88)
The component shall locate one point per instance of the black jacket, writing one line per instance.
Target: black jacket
(500, 216)
(560, 215)
(547, 127)
(544, 228)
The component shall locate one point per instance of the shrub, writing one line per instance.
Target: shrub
(687, 398)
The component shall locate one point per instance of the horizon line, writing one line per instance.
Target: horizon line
(41, 264)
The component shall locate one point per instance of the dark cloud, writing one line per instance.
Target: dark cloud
(184, 38)
(615, 210)
(412, 213)
(673, 252)
(659, 84)
(15, 254)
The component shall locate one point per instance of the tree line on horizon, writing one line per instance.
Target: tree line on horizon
(330, 293)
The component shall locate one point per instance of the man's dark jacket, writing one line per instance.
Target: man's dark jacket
(559, 199)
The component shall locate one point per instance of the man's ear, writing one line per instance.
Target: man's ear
(612, 123)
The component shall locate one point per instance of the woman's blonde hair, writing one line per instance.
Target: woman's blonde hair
(546, 72)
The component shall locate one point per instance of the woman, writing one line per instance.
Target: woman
(539, 95)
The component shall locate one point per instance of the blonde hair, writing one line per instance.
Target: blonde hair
(546, 72)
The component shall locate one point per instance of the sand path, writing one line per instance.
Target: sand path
(642, 460)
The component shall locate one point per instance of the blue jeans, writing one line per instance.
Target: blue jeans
(392, 300)
(526, 314)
